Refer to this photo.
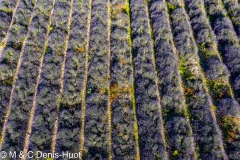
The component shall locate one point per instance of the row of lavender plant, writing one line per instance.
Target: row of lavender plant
(69, 130)
(178, 130)
(150, 123)
(9, 64)
(215, 70)
(203, 120)
(24, 90)
(48, 88)
(233, 9)
(228, 42)
(228, 109)
(124, 130)
(96, 125)
(7, 8)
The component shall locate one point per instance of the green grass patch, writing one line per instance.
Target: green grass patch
(171, 7)
(6, 10)
(185, 73)
(219, 89)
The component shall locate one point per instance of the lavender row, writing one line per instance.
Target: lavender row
(10, 54)
(233, 10)
(49, 83)
(227, 40)
(27, 76)
(68, 137)
(205, 129)
(150, 122)
(121, 86)
(96, 120)
(216, 73)
(7, 8)
(178, 130)
(230, 49)
(228, 116)
(9, 61)
(215, 70)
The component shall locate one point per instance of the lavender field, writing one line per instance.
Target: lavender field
(120, 79)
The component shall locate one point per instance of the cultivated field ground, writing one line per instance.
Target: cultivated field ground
(121, 79)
